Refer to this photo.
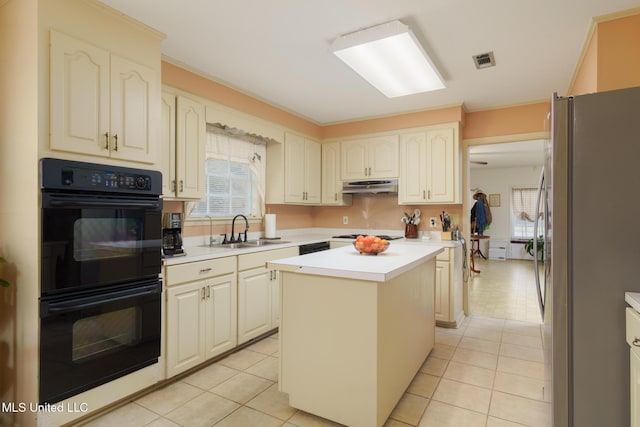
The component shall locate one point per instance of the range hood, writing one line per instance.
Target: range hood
(370, 187)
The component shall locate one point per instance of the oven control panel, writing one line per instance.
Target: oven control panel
(88, 179)
(77, 176)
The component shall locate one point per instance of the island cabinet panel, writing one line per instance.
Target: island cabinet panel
(350, 348)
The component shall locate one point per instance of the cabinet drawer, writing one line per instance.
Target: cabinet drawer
(258, 259)
(444, 255)
(633, 326)
(498, 244)
(189, 272)
(497, 253)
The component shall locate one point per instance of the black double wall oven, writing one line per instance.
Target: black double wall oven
(100, 303)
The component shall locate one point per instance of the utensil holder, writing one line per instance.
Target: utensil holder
(411, 231)
(445, 235)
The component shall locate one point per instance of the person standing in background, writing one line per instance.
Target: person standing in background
(480, 214)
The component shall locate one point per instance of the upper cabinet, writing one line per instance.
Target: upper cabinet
(429, 165)
(302, 170)
(293, 171)
(331, 183)
(370, 158)
(102, 104)
(183, 138)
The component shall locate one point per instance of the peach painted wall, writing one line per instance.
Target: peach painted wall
(586, 76)
(619, 53)
(520, 119)
(377, 212)
(180, 78)
(402, 121)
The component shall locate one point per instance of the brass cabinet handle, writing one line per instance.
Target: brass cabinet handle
(181, 186)
(205, 270)
(173, 185)
(106, 140)
(204, 295)
(208, 292)
(115, 138)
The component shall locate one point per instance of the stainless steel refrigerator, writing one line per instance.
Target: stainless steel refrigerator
(592, 254)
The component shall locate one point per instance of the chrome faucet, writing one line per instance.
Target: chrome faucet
(211, 241)
(246, 227)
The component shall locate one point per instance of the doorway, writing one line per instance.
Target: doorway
(503, 285)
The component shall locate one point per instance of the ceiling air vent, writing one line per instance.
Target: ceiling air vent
(484, 60)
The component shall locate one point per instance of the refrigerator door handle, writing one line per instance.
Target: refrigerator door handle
(536, 271)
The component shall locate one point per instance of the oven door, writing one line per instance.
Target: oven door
(92, 240)
(90, 338)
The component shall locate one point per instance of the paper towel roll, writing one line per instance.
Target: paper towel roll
(270, 226)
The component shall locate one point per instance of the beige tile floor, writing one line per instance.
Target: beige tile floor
(504, 289)
(488, 372)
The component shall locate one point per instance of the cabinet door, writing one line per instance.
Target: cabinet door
(354, 160)
(185, 328)
(294, 169)
(168, 141)
(413, 174)
(635, 387)
(79, 96)
(254, 303)
(313, 154)
(441, 303)
(440, 166)
(190, 140)
(134, 104)
(276, 285)
(383, 157)
(220, 315)
(331, 184)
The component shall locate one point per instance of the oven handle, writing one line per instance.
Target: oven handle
(81, 303)
(103, 203)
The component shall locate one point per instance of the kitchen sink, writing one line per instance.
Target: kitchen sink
(247, 244)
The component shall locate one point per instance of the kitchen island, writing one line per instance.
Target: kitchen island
(355, 329)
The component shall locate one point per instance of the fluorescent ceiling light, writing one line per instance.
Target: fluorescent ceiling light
(390, 58)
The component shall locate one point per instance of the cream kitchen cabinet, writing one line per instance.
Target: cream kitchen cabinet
(448, 288)
(293, 171)
(429, 165)
(369, 158)
(259, 293)
(183, 139)
(102, 104)
(331, 183)
(201, 314)
(302, 170)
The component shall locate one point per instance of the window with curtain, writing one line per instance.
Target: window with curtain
(235, 176)
(524, 212)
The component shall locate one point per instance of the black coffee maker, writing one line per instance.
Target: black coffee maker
(172, 234)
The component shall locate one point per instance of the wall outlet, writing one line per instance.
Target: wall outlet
(432, 221)
(345, 220)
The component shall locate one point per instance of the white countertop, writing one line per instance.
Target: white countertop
(196, 252)
(633, 299)
(346, 262)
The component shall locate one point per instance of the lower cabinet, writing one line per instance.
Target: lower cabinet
(201, 312)
(259, 293)
(448, 288)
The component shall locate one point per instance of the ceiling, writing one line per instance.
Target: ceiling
(278, 50)
(507, 155)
